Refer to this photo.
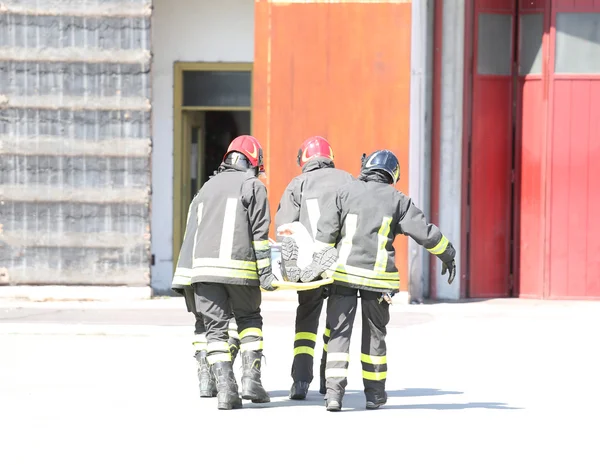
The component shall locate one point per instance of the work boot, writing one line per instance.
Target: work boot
(234, 348)
(252, 388)
(227, 388)
(322, 261)
(322, 387)
(289, 256)
(375, 399)
(299, 390)
(333, 402)
(206, 379)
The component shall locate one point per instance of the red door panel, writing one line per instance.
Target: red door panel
(574, 152)
(530, 205)
(491, 150)
(490, 187)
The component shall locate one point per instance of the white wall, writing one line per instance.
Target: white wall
(185, 30)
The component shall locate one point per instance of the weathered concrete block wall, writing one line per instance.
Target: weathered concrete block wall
(75, 141)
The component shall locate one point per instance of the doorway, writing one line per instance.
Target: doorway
(212, 106)
(533, 131)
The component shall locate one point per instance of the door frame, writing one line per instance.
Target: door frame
(179, 183)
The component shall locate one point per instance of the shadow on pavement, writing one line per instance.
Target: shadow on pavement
(354, 400)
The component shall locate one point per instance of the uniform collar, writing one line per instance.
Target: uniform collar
(317, 163)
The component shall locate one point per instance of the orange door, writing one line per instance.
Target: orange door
(323, 69)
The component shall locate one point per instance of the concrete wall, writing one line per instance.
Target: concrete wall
(75, 142)
(185, 30)
(451, 133)
(421, 87)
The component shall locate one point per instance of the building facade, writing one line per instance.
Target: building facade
(115, 113)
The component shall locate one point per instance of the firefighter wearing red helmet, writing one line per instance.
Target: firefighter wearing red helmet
(226, 258)
(303, 200)
(357, 229)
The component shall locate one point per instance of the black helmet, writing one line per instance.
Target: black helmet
(384, 161)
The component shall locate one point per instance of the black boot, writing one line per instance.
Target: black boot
(234, 348)
(252, 388)
(206, 380)
(299, 390)
(227, 388)
(333, 401)
(289, 262)
(375, 399)
(322, 261)
(322, 387)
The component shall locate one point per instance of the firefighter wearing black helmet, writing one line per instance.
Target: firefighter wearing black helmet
(225, 257)
(356, 232)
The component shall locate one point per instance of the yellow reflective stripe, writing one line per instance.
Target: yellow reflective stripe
(225, 273)
(218, 347)
(181, 281)
(306, 336)
(224, 263)
(263, 263)
(371, 274)
(325, 347)
(349, 231)
(373, 359)
(377, 284)
(183, 276)
(338, 357)
(382, 238)
(304, 350)
(220, 357)
(255, 345)
(198, 346)
(440, 247)
(233, 334)
(327, 332)
(251, 332)
(336, 372)
(232, 324)
(374, 376)
(260, 245)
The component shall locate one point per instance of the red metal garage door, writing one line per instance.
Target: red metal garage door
(573, 155)
(491, 149)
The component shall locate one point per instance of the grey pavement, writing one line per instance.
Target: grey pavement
(507, 382)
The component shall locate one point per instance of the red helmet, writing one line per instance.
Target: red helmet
(250, 148)
(315, 146)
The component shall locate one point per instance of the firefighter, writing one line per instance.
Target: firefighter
(357, 230)
(302, 200)
(226, 256)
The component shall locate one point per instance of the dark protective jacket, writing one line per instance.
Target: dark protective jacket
(227, 234)
(307, 194)
(362, 221)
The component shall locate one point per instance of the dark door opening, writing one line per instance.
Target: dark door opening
(210, 133)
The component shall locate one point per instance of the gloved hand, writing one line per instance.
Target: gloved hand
(266, 280)
(451, 267)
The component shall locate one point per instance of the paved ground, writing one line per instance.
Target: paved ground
(478, 383)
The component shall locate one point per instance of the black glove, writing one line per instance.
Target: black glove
(266, 279)
(451, 267)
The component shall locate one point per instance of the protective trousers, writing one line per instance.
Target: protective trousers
(199, 342)
(341, 311)
(218, 303)
(310, 304)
